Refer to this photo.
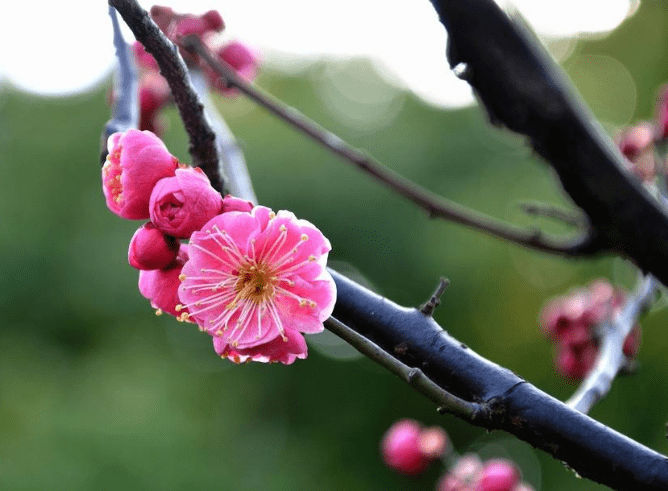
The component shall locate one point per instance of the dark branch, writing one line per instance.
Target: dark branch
(172, 67)
(509, 402)
(523, 89)
(433, 204)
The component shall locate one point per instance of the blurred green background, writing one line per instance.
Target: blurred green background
(96, 392)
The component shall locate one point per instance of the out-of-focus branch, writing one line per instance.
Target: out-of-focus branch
(432, 203)
(523, 88)
(125, 105)
(202, 137)
(611, 358)
(232, 162)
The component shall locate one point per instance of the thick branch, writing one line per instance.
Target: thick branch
(432, 203)
(592, 449)
(523, 89)
(172, 67)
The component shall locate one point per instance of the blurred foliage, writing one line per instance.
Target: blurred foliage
(98, 393)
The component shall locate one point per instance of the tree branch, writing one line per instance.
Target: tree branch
(509, 402)
(523, 88)
(125, 106)
(172, 67)
(611, 358)
(435, 205)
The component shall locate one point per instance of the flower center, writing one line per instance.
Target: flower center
(256, 283)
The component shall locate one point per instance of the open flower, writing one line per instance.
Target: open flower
(257, 279)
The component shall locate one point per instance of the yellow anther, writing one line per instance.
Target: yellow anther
(302, 303)
(182, 277)
(312, 304)
(272, 215)
(304, 237)
(178, 307)
(283, 228)
(158, 312)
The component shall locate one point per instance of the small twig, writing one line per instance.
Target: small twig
(430, 305)
(432, 203)
(447, 403)
(611, 358)
(568, 217)
(173, 68)
(232, 162)
(125, 106)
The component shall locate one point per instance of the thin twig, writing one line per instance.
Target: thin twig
(435, 205)
(232, 162)
(430, 305)
(447, 403)
(611, 358)
(173, 68)
(550, 211)
(125, 106)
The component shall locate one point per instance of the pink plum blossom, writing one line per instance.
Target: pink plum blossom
(243, 59)
(184, 203)
(276, 350)
(258, 279)
(409, 449)
(151, 249)
(137, 160)
(498, 475)
(161, 286)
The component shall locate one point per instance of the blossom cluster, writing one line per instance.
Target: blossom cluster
(154, 94)
(253, 279)
(571, 322)
(409, 448)
(639, 143)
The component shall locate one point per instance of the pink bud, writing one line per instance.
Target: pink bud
(162, 16)
(401, 448)
(240, 57)
(214, 20)
(161, 286)
(137, 160)
(144, 59)
(151, 249)
(632, 342)
(498, 475)
(189, 24)
(230, 203)
(182, 204)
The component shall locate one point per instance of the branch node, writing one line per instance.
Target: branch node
(428, 307)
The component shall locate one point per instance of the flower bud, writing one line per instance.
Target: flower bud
(498, 475)
(151, 249)
(182, 204)
(231, 203)
(409, 449)
(213, 20)
(137, 160)
(161, 286)
(240, 57)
